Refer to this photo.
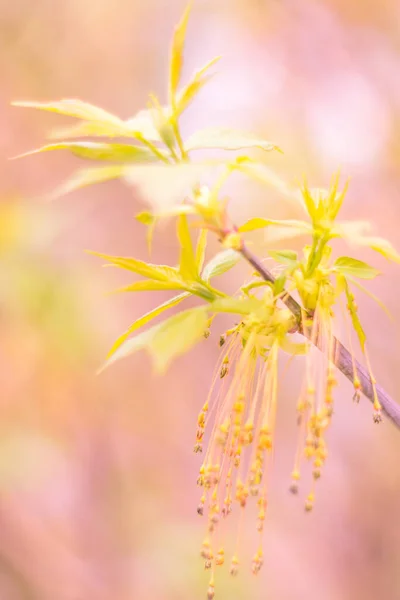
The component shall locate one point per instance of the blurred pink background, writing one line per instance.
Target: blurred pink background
(98, 488)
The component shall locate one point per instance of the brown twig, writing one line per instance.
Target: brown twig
(342, 357)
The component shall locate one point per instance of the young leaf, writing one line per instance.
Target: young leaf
(117, 352)
(86, 177)
(163, 186)
(287, 257)
(263, 174)
(226, 139)
(177, 335)
(351, 266)
(381, 246)
(253, 224)
(187, 260)
(162, 123)
(151, 285)
(309, 201)
(100, 151)
(142, 125)
(279, 284)
(204, 291)
(176, 63)
(157, 272)
(355, 232)
(90, 129)
(337, 200)
(74, 108)
(351, 230)
(188, 93)
(299, 227)
(240, 306)
(221, 263)
(201, 249)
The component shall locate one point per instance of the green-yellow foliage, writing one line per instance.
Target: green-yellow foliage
(155, 137)
(154, 158)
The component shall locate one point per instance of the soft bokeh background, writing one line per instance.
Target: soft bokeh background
(98, 488)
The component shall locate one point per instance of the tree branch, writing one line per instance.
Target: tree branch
(342, 357)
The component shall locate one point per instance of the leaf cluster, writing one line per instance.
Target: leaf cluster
(147, 150)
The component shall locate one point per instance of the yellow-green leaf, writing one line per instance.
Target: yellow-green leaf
(263, 174)
(300, 227)
(176, 61)
(279, 284)
(151, 285)
(118, 352)
(240, 306)
(336, 200)
(351, 266)
(187, 260)
(310, 202)
(157, 272)
(226, 139)
(100, 151)
(355, 233)
(177, 335)
(204, 291)
(201, 249)
(287, 257)
(221, 263)
(162, 123)
(90, 129)
(381, 246)
(164, 186)
(74, 108)
(190, 91)
(351, 230)
(90, 176)
(253, 224)
(142, 125)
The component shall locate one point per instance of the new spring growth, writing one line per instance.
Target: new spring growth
(235, 431)
(240, 410)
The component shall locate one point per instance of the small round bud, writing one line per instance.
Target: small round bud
(309, 502)
(234, 570)
(377, 416)
(210, 592)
